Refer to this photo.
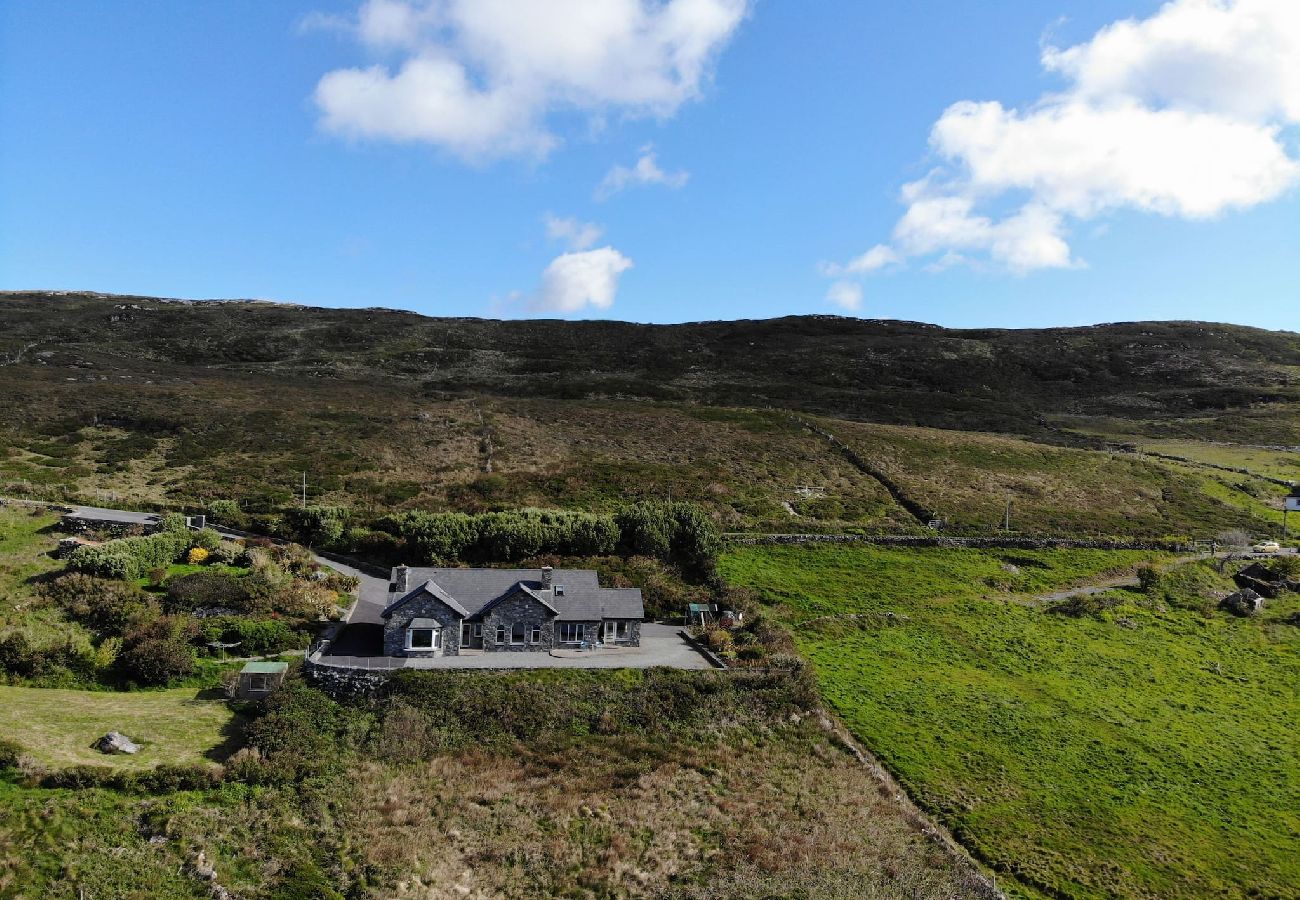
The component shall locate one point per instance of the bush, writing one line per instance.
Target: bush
(158, 653)
(718, 640)
(104, 605)
(226, 512)
(10, 753)
(227, 553)
(255, 637)
(208, 590)
(197, 556)
(302, 733)
(206, 539)
(316, 526)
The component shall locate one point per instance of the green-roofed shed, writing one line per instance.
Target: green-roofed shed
(257, 679)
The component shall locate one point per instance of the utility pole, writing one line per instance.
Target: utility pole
(1006, 519)
(304, 490)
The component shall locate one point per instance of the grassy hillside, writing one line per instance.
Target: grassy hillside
(1135, 752)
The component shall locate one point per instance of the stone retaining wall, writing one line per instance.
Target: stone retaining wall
(342, 682)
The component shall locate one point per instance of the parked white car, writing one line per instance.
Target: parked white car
(1267, 547)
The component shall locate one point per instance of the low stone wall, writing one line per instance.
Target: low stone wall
(83, 525)
(716, 661)
(1006, 543)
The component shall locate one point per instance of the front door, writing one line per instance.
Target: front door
(609, 632)
(471, 635)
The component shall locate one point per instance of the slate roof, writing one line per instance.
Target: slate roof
(470, 591)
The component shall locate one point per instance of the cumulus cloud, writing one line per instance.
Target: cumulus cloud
(644, 171)
(578, 280)
(1182, 114)
(845, 294)
(482, 78)
(577, 234)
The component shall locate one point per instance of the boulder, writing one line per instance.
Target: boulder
(1258, 570)
(1258, 585)
(1243, 603)
(116, 742)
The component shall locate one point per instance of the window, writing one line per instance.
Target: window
(258, 683)
(559, 590)
(535, 634)
(517, 633)
(423, 639)
(621, 632)
(501, 634)
(571, 632)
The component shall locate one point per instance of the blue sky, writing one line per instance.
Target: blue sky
(252, 149)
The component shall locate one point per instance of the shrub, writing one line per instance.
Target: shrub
(227, 553)
(206, 539)
(316, 526)
(158, 653)
(304, 733)
(10, 753)
(107, 606)
(225, 511)
(196, 556)
(207, 590)
(718, 640)
(254, 636)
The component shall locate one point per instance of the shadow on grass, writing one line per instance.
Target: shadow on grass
(232, 735)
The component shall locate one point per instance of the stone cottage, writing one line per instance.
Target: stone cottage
(446, 612)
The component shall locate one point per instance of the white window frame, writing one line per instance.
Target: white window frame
(609, 630)
(622, 630)
(435, 639)
(523, 633)
(258, 683)
(570, 628)
(501, 634)
(535, 634)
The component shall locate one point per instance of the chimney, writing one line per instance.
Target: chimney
(547, 573)
(401, 577)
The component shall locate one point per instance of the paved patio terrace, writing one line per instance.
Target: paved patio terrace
(661, 645)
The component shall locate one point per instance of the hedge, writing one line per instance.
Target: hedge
(134, 556)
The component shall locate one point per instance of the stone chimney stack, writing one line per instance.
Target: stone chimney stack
(547, 574)
(401, 579)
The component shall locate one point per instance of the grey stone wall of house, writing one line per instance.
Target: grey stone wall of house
(422, 607)
(519, 607)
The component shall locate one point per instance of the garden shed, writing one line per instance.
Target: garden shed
(257, 679)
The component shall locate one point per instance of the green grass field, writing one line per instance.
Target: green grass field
(57, 727)
(1148, 751)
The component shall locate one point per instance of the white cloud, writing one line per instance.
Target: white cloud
(1185, 114)
(577, 234)
(482, 77)
(877, 257)
(845, 294)
(644, 171)
(575, 281)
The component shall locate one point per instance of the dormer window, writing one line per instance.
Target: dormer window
(559, 590)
